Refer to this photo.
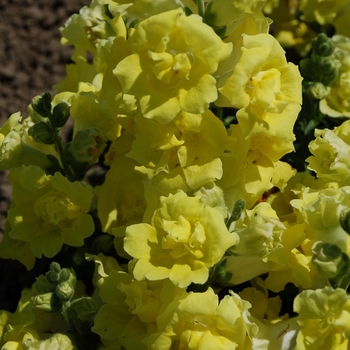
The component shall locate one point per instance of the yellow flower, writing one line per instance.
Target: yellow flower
(131, 308)
(265, 88)
(170, 69)
(321, 210)
(184, 154)
(330, 152)
(321, 11)
(140, 9)
(225, 12)
(201, 322)
(185, 238)
(17, 148)
(337, 102)
(324, 318)
(250, 167)
(260, 232)
(48, 211)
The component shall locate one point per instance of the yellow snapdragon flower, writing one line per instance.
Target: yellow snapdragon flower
(169, 69)
(17, 148)
(225, 12)
(324, 319)
(260, 232)
(321, 210)
(131, 308)
(183, 154)
(140, 9)
(265, 88)
(185, 238)
(337, 102)
(321, 11)
(47, 211)
(330, 152)
(201, 322)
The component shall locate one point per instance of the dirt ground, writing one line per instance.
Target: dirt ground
(31, 61)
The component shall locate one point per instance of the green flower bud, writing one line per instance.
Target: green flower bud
(83, 309)
(64, 275)
(329, 260)
(53, 274)
(42, 104)
(345, 221)
(322, 45)
(317, 91)
(42, 133)
(65, 291)
(47, 302)
(60, 114)
(328, 66)
(86, 147)
(307, 69)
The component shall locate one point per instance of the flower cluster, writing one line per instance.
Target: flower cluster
(196, 205)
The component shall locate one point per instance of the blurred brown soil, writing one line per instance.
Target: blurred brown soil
(32, 60)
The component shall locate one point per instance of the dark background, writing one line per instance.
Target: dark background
(31, 61)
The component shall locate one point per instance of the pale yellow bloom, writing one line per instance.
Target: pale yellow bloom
(265, 88)
(169, 69)
(324, 318)
(185, 238)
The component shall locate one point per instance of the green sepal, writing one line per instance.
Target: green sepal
(322, 45)
(317, 91)
(60, 114)
(345, 221)
(53, 274)
(65, 291)
(42, 133)
(42, 104)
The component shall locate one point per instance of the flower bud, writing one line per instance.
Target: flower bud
(329, 260)
(47, 302)
(86, 147)
(322, 45)
(42, 104)
(345, 221)
(53, 274)
(65, 291)
(61, 113)
(307, 69)
(64, 275)
(42, 133)
(317, 91)
(328, 70)
(83, 309)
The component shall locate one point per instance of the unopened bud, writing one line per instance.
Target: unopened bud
(329, 260)
(47, 302)
(317, 91)
(42, 104)
(307, 69)
(322, 45)
(345, 221)
(65, 291)
(83, 309)
(86, 147)
(42, 133)
(60, 114)
(54, 273)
